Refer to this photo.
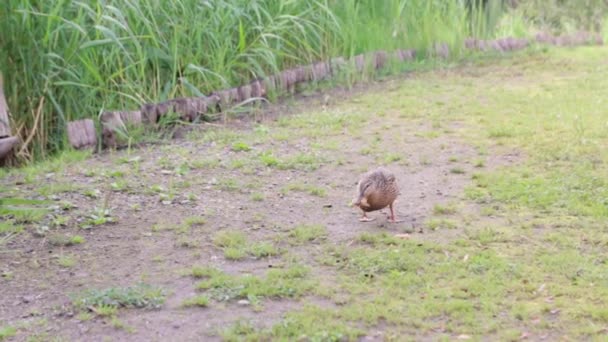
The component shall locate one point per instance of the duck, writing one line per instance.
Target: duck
(377, 189)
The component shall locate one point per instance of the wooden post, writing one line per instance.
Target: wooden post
(115, 125)
(256, 89)
(380, 59)
(82, 134)
(245, 92)
(5, 129)
(336, 64)
(6, 141)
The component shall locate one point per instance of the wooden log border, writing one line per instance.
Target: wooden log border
(82, 134)
(191, 109)
(7, 142)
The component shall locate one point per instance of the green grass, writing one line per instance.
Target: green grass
(240, 146)
(201, 272)
(186, 242)
(522, 250)
(263, 249)
(448, 209)
(197, 301)
(479, 163)
(527, 258)
(67, 261)
(311, 323)
(236, 246)
(257, 197)
(229, 238)
(105, 310)
(440, 223)
(311, 189)
(99, 216)
(457, 170)
(7, 332)
(291, 282)
(563, 171)
(194, 221)
(118, 324)
(22, 210)
(392, 158)
(268, 159)
(205, 163)
(235, 253)
(107, 301)
(308, 233)
(10, 227)
(564, 15)
(84, 316)
(65, 240)
(300, 161)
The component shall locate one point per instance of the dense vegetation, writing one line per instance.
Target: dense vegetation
(65, 60)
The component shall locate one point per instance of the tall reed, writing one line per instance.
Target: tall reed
(69, 59)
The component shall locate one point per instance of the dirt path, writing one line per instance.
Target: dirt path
(283, 182)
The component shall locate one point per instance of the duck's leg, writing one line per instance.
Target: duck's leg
(392, 218)
(364, 218)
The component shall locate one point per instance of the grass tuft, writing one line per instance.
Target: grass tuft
(302, 234)
(7, 332)
(291, 282)
(229, 238)
(200, 301)
(111, 299)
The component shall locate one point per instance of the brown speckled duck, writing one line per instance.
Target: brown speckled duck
(377, 189)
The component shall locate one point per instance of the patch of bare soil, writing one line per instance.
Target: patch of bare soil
(142, 246)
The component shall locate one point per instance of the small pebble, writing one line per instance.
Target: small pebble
(243, 302)
(27, 299)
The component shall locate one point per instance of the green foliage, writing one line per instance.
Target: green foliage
(263, 249)
(311, 323)
(308, 233)
(236, 247)
(309, 188)
(291, 282)
(99, 216)
(139, 296)
(23, 210)
(229, 238)
(241, 146)
(66, 261)
(64, 240)
(528, 255)
(79, 58)
(201, 272)
(7, 332)
(8, 230)
(198, 301)
(565, 15)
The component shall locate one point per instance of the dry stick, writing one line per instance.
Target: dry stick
(20, 129)
(33, 132)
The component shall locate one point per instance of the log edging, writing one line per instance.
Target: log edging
(192, 108)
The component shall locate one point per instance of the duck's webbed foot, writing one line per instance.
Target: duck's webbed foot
(365, 218)
(392, 218)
